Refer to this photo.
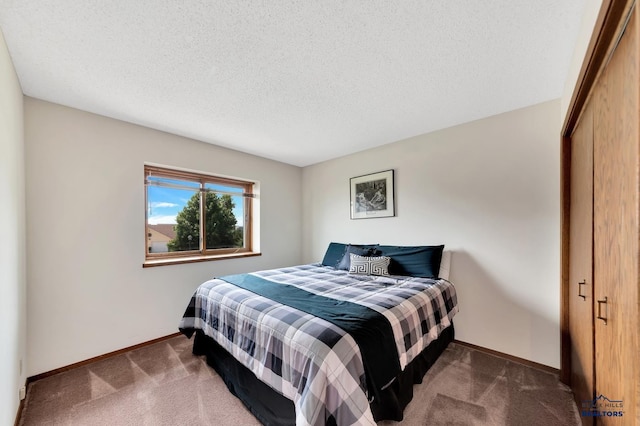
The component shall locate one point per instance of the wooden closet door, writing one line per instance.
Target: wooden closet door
(581, 261)
(616, 227)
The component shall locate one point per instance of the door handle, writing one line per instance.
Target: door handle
(580, 284)
(600, 303)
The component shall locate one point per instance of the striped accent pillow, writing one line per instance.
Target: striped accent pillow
(365, 265)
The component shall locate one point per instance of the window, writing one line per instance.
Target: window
(194, 217)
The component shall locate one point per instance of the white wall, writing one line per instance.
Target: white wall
(589, 17)
(12, 243)
(489, 190)
(88, 293)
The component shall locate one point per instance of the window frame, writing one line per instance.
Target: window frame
(202, 253)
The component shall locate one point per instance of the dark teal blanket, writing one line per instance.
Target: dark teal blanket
(370, 329)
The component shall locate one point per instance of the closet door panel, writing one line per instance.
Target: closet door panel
(581, 261)
(616, 227)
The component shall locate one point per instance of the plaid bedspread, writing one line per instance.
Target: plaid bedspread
(307, 359)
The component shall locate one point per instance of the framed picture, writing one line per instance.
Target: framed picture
(372, 195)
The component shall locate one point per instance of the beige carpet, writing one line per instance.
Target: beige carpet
(164, 384)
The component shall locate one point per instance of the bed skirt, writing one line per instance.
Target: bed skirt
(273, 409)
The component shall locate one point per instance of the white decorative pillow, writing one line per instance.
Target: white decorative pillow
(365, 265)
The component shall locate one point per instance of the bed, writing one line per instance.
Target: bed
(338, 342)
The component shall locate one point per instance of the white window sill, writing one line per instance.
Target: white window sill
(192, 259)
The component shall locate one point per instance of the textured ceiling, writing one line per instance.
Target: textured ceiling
(296, 81)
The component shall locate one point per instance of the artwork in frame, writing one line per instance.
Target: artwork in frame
(372, 195)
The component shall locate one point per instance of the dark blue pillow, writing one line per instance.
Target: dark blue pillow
(414, 261)
(334, 254)
(345, 262)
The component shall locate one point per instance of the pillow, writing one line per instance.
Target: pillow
(335, 253)
(345, 262)
(414, 261)
(445, 264)
(366, 265)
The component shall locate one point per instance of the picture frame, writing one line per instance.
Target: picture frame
(372, 195)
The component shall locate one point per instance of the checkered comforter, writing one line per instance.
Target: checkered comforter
(307, 359)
